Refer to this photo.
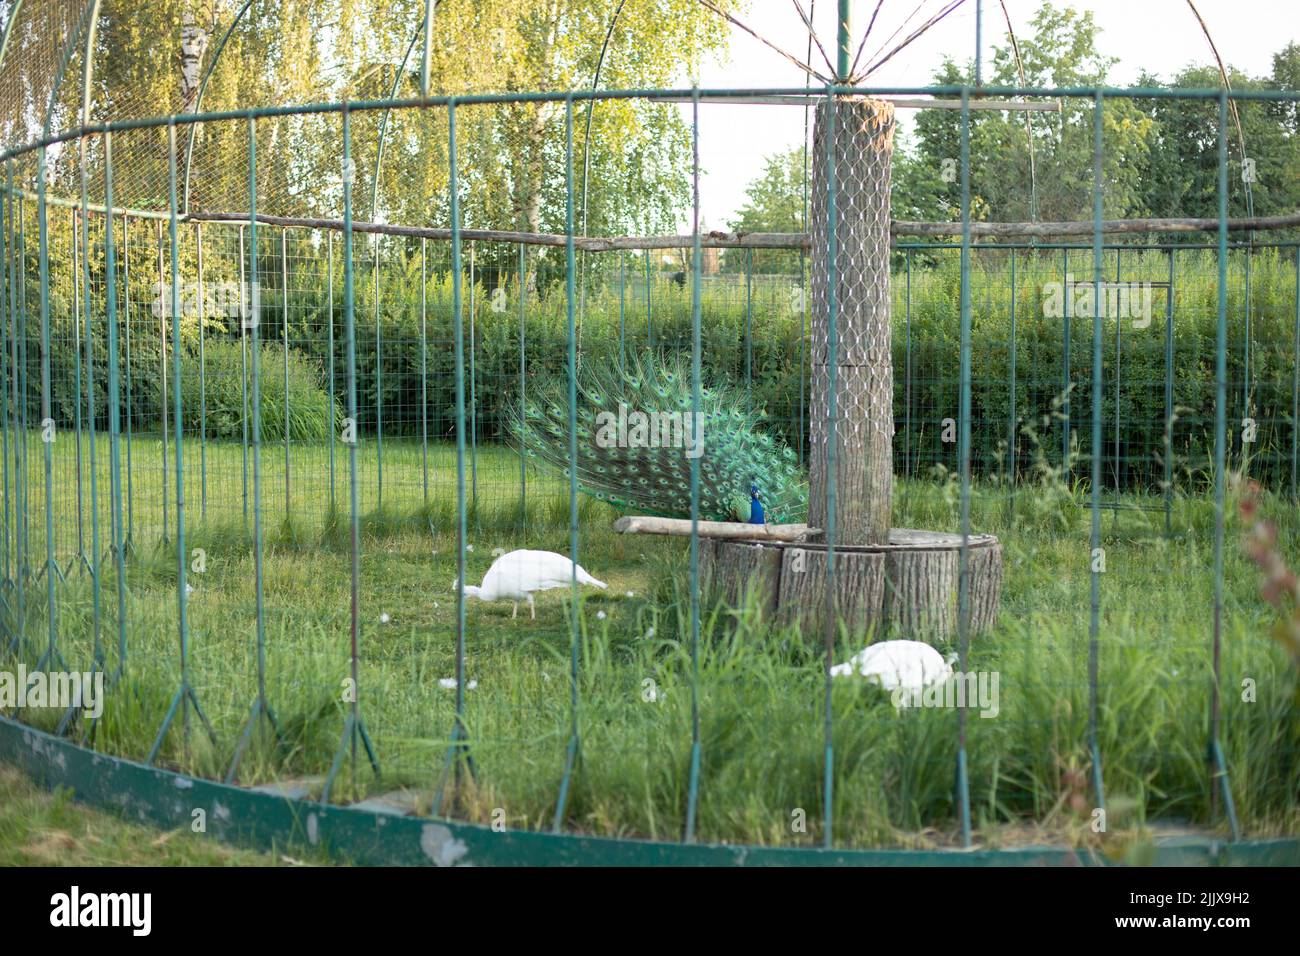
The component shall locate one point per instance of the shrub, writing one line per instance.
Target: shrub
(221, 404)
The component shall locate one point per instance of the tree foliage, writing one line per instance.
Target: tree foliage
(512, 158)
(1160, 155)
(774, 202)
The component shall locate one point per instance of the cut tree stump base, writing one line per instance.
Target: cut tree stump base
(908, 587)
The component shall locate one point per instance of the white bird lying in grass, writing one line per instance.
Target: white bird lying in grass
(517, 575)
(903, 668)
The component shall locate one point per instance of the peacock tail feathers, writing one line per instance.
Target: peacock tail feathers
(644, 463)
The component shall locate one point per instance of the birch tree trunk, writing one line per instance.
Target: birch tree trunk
(194, 43)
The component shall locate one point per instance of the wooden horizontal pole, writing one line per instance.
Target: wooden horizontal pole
(727, 530)
(1007, 230)
(768, 240)
(715, 240)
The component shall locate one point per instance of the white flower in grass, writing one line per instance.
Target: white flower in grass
(469, 547)
(600, 615)
(384, 618)
(449, 683)
(628, 593)
(189, 589)
(650, 632)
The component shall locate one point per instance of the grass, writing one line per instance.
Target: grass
(40, 828)
(759, 687)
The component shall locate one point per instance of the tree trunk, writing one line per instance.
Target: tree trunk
(858, 596)
(732, 571)
(908, 589)
(530, 174)
(859, 351)
(194, 43)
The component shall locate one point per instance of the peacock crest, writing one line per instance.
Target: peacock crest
(639, 433)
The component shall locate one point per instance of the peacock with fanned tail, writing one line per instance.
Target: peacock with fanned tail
(739, 462)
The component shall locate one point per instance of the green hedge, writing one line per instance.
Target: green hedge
(409, 378)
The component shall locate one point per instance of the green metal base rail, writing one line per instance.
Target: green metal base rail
(259, 820)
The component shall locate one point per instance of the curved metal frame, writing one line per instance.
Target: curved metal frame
(88, 62)
(263, 820)
(383, 123)
(591, 106)
(198, 99)
(9, 29)
(87, 17)
(424, 32)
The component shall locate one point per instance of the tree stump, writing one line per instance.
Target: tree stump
(923, 583)
(731, 570)
(859, 588)
(921, 594)
(909, 587)
(985, 586)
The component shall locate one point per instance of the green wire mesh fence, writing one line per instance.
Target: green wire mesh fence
(247, 452)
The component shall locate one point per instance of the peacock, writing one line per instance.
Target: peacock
(644, 463)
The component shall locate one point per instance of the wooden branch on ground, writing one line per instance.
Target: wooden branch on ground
(727, 530)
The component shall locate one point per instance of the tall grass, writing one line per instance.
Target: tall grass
(759, 686)
(291, 393)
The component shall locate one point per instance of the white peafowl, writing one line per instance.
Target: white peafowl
(517, 575)
(903, 668)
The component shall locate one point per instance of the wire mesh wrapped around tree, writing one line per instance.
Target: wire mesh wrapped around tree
(852, 356)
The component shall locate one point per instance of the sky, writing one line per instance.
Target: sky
(1159, 36)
